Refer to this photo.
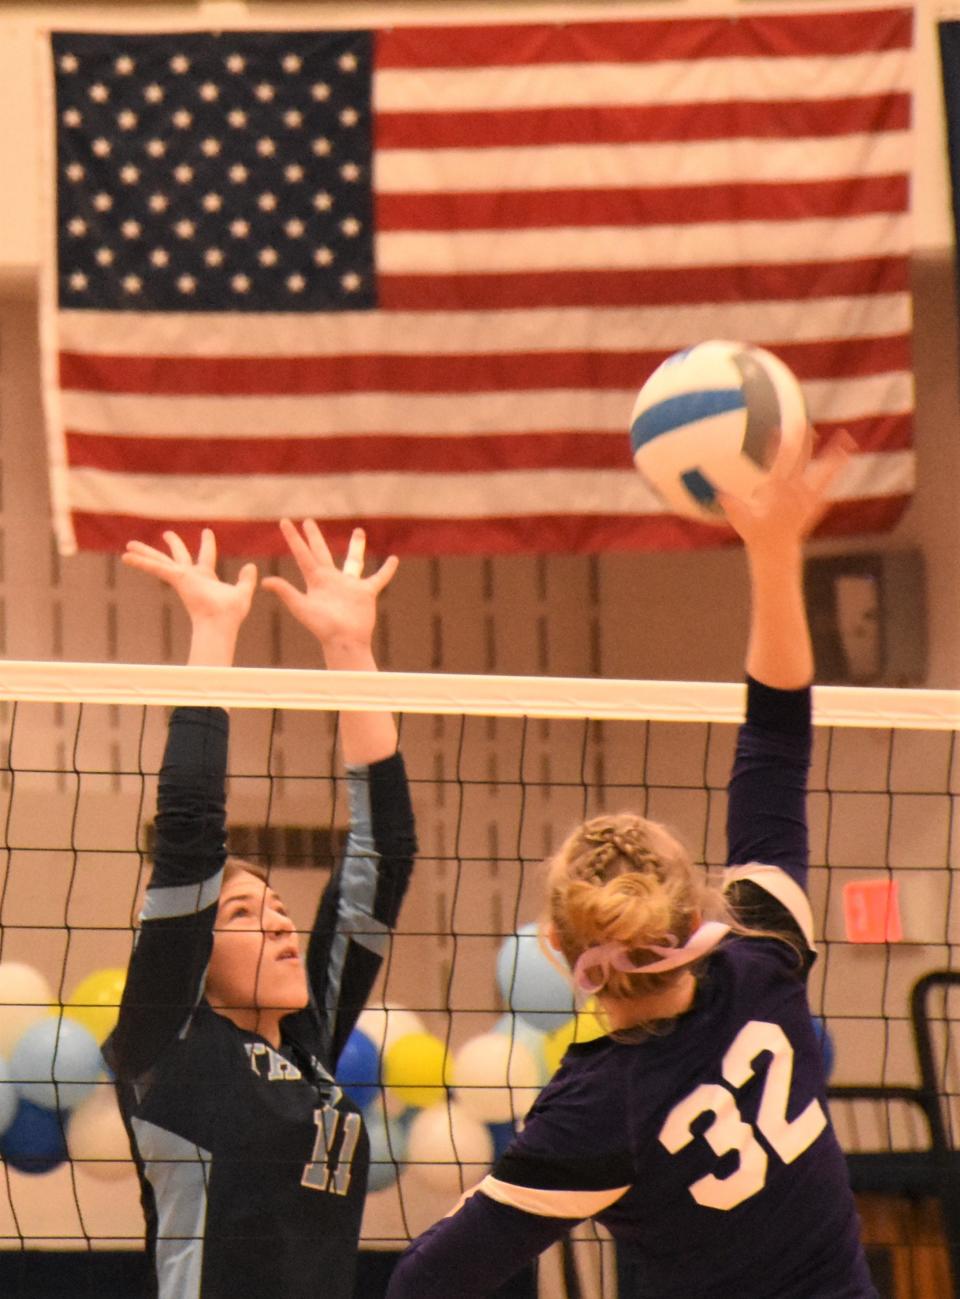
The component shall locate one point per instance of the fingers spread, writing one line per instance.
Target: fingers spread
(353, 564)
(317, 542)
(301, 552)
(247, 577)
(207, 553)
(178, 548)
(141, 548)
(280, 587)
(384, 573)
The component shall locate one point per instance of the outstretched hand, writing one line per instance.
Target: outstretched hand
(339, 606)
(789, 503)
(204, 595)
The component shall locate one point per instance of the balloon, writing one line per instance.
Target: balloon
(495, 1078)
(25, 997)
(95, 1001)
(414, 1067)
(827, 1048)
(384, 1024)
(56, 1063)
(358, 1069)
(448, 1148)
(530, 984)
(519, 1030)
(96, 1137)
(9, 1097)
(584, 1027)
(34, 1141)
(388, 1146)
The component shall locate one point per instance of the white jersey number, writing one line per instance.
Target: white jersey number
(331, 1164)
(728, 1132)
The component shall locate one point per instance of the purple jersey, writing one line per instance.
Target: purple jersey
(705, 1149)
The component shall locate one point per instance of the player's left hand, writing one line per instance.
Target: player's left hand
(339, 606)
(789, 503)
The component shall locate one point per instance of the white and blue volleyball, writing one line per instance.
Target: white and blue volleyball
(715, 418)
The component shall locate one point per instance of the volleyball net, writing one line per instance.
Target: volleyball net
(501, 768)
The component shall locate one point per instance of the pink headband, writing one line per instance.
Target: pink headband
(613, 956)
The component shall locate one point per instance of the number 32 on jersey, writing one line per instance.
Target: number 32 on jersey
(728, 1132)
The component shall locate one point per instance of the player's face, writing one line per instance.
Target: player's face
(255, 963)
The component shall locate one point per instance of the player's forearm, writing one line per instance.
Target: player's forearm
(191, 807)
(364, 737)
(779, 649)
(364, 895)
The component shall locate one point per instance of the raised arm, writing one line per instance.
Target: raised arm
(167, 967)
(766, 819)
(361, 902)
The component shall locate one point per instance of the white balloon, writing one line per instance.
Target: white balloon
(448, 1149)
(25, 997)
(96, 1138)
(495, 1078)
(384, 1024)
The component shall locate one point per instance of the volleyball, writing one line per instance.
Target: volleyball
(715, 418)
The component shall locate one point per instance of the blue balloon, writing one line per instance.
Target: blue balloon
(530, 984)
(503, 1134)
(388, 1147)
(9, 1097)
(827, 1048)
(358, 1069)
(34, 1142)
(56, 1063)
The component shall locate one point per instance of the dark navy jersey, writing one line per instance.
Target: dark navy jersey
(252, 1162)
(704, 1146)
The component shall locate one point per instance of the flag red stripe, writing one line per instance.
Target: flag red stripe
(780, 35)
(391, 453)
(347, 454)
(660, 286)
(573, 534)
(513, 372)
(648, 124)
(637, 206)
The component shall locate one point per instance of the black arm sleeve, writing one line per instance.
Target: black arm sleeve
(361, 903)
(169, 961)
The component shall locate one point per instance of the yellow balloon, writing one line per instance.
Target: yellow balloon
(584, 1027)
(95, 1001)
(415, 1068)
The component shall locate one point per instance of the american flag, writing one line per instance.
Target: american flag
(414, 277)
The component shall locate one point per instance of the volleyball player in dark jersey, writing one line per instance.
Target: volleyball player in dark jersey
(252, 1161)
(697, 1130)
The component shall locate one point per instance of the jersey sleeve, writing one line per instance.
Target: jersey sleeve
(169, 962)
(570, 1162)
(361, 903)
(767, 841)
(474, 1251)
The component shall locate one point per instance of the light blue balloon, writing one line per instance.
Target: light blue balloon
(388, 1146)
(512, 1026)
(9, 1097)
(56, 1063)
(530, 985)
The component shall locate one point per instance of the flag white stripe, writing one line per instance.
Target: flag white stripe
(666, 81)
(697, 162)
(631, 248)
(562, 329)
(441, 415)
(431, 496)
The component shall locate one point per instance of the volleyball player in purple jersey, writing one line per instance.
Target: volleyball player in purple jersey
(252, 1161)
(697, 1130)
